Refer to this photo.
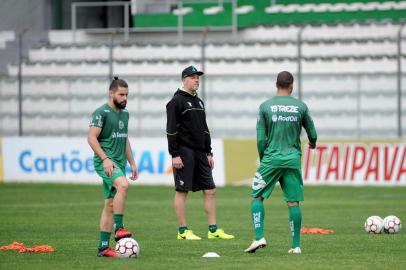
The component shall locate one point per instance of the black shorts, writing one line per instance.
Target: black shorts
(196, 172)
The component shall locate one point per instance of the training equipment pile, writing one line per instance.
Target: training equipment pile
(24, 249)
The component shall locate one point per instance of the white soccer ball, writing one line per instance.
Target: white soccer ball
(373, 225)
(127, 248)
(392, 224)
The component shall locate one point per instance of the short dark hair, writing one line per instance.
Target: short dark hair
(116, 82)
(284, 79)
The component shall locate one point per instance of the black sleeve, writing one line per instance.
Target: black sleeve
(208, 144)
(172, 128)
(207, 138)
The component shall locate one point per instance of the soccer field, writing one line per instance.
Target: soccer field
(67, 216)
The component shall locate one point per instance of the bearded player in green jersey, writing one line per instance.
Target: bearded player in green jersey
(280, 121)
(108, 138)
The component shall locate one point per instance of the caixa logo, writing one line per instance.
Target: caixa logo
(151, 162)
(73, 162)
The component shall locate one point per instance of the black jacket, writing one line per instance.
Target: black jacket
(186, 123)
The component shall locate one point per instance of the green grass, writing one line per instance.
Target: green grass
(67, 216)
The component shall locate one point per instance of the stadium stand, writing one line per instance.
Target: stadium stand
(290, 12)
(348, 70)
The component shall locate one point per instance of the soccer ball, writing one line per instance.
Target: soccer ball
(127, 248)
(373, 224)
(392, 224)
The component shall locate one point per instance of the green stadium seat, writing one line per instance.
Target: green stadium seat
(182, 11)
(213, 10)
(244, 9)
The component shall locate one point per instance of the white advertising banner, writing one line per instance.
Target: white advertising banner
(70, 160)
(355, 164)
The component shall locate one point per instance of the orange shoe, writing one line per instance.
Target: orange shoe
(108, 252)
(122, 233)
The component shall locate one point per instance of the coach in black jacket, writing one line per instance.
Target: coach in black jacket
(189, 144)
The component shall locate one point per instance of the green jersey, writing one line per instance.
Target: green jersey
(280, 121)
(113, 135)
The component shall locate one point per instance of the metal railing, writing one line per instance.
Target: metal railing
(399, 79)
(299, 77)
